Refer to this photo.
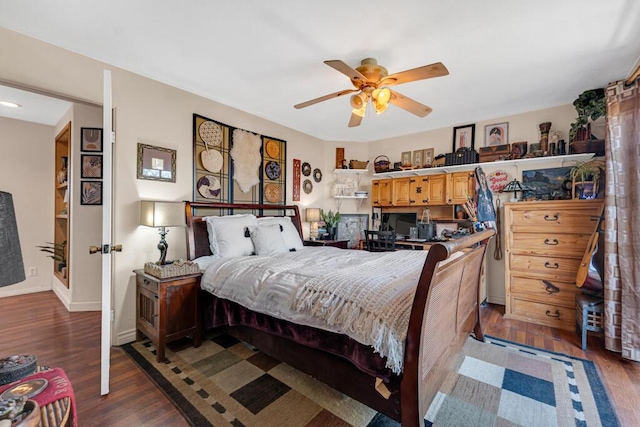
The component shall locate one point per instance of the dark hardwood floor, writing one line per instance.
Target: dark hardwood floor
(39, 324)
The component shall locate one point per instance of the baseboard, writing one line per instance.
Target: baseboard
(22, 291)
(497, 300)
(62, 292)
(85, 306)
(126, 337)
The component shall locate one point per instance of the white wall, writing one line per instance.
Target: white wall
(26, 171)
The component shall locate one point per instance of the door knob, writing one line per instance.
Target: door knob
(95, 249)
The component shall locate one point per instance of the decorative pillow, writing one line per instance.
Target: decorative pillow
(228, 235)
(290, 233)
(267, 239)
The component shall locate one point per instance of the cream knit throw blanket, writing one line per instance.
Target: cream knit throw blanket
(370, 302)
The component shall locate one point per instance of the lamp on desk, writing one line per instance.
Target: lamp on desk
(312, 215)
(162, 214)
(11, 265)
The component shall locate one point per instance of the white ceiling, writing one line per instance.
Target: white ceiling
(34, 108)
(262, 57)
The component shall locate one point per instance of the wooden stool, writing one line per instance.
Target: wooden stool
(589, 316)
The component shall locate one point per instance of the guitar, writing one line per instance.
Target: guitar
(590, 275)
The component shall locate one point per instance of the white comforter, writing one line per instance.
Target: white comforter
(273, 284)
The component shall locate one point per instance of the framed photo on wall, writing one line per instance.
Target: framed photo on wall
(91, 166)
(428, 156)
(405, 159)
(463, 137)
(156, 163)
(496, 134)
(418, 158)
(91, 193)
(91, 139)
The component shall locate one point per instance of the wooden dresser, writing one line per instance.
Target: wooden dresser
(546, 240)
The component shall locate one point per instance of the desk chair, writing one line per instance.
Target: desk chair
(380, 241)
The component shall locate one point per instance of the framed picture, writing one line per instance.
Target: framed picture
(91, 193)
(418, 157)
(497, 134)
(156, 163)
(547, 184)
(405, 159)
(428, 156)
(352, 226)
(463, 137)
(91, 139)
(91, 166)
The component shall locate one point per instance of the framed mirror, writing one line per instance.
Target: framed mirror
(156, 163)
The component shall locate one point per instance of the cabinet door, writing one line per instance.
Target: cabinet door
(419, 190)
(381, 192)
(400, 192)
(437, 189)
(462, 185)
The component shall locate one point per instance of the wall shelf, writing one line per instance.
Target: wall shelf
(521, 163)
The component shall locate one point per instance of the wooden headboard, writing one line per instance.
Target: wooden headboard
(197, 237)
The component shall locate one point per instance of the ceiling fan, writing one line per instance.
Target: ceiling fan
(371, 81)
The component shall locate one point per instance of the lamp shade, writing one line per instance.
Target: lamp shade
(162, 214)
(11, 265)
(312, 214)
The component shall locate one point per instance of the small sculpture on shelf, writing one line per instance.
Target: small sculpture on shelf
(63, 172)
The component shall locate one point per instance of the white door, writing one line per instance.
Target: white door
(107, 247)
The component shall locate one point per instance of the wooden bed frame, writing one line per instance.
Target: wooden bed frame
(443, 314)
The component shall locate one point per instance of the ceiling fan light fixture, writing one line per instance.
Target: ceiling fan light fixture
(360, 111)
(380, 107)
(358, 100)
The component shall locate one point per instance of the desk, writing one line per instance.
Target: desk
(416, 246)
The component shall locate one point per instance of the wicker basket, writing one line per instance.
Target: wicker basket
(171, 270)
(15, 367)
(381, 164)
(357, 164)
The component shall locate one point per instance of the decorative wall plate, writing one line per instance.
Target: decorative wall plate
(209, 187)
(317, 175)
(210, 133)
(307, 186)
(211, 160)
(272, 170)
(306, 169)
(273, 192)
(273, 149)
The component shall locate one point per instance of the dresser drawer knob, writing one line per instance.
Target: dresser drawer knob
(549, 265)
(552, 242)
(551, 218)
(556, 314)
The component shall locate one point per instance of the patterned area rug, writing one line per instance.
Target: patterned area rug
(497, 383)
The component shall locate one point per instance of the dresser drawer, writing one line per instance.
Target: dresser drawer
(577, 219)
(536, 289)
(572, 245)
(546, 267)
(542, 313)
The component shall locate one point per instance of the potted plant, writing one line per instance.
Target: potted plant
(585, 178)
(331, 220)
(58, 253)
(590, 105)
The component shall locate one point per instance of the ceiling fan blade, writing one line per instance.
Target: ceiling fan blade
(324, 98)
(425, 72)
(355, 120)
(409, 104)
(345, 69)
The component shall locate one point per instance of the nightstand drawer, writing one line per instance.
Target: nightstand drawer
(546, 267)
(146, 283)
(571, 245)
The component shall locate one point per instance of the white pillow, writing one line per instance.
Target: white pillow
(267, 239)
(228, 235)
(205, 261)
(290, 233)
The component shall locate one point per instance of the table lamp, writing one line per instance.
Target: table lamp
(513, 187)
(312, 215)
(11, 265)
(163, 215)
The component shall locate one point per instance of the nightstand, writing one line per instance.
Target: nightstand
(342, 243)
(167, 309)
